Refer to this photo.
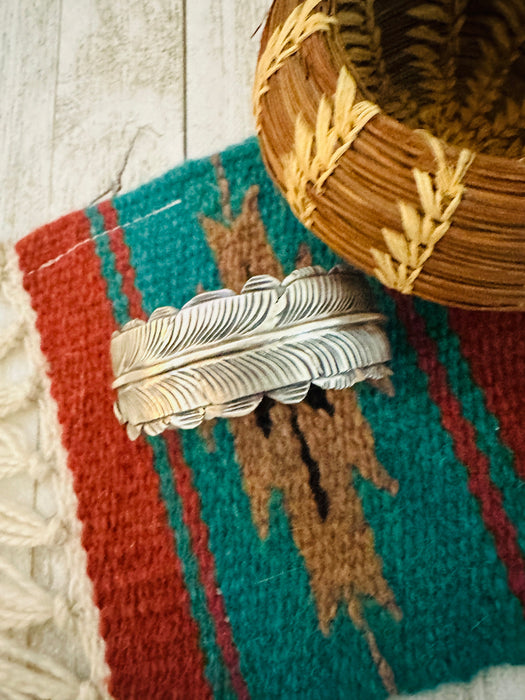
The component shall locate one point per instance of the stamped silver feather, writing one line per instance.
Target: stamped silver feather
(222, 352)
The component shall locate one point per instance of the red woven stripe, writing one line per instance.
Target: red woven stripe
(199, 535)
(464, 439)
(152, 642)
(494, 345)
(54, 240)
(122, 261)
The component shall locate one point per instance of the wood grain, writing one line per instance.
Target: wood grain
(222, 42)
(101, 96)
(119, 107)
(94, 103)
(28, 65)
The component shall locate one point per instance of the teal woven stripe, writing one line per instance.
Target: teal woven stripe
(107, 259)
(267, 592)
(475, 409)
(433, 560)
(244, 167)
(215, 670)
(167, 247)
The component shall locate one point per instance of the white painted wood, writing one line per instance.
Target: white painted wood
(29, 45)
(222, 42)
(97, 93)
(119, 98)
(91, 104)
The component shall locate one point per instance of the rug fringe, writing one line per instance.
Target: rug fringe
(27, 668)
(16, 457)
(25, 673)
(12, 337)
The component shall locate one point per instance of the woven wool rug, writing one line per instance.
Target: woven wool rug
(352, 546)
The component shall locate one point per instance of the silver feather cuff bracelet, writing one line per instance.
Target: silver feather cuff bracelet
(222, 352)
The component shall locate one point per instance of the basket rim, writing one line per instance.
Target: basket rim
(332, 55)
(490, 218)
(330, 45)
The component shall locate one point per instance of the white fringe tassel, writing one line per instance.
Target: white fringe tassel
(15, 458)
(25, 673)
(11, 338)
(19, 396)
(32, 670)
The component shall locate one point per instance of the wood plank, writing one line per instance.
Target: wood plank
(119, 103)
(222, 43)
(92, 103)
(28, 66)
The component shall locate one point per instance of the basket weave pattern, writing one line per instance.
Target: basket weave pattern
(396, 131)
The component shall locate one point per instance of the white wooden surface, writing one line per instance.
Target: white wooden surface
(99, 96)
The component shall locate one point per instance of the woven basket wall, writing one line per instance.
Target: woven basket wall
(396, 130)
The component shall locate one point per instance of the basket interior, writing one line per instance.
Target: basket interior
(454, 67)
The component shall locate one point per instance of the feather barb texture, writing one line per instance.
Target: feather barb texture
(222, 352)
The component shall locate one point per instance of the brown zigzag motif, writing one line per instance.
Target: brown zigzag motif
(307, 452)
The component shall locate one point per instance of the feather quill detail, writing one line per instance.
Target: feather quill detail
(222, 352)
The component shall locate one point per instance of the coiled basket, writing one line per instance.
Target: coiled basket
(396, 131)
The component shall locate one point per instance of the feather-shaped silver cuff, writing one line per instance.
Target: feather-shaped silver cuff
(222, 352)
